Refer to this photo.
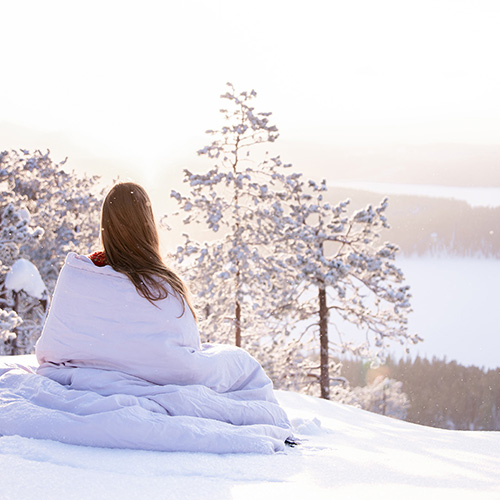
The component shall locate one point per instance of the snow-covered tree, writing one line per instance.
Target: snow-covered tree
(15, 232)
(384, 396)
(343, 276)
(232, 277)
(45, 212)
(64, 204)
(287, 260)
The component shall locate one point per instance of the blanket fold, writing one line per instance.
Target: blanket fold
(117, 371)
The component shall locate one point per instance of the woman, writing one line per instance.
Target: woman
(132, 295)
(121, 325)
(131, 245)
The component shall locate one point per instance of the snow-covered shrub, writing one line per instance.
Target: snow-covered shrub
(384, 396)
(9, 321)
(15, 280)
(24, 277)
(45, 212)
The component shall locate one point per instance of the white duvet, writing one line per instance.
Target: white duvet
(117, 371)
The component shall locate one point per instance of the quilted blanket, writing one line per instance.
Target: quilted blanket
(114, 370)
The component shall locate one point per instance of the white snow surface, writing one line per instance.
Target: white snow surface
(346, 453)
(25, 276)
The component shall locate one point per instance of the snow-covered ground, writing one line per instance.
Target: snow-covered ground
(346, 453)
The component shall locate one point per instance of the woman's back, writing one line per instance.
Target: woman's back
(97, 319)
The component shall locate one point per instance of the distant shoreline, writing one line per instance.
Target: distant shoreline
(474, 196)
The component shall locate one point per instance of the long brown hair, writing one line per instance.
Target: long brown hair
(132, 246)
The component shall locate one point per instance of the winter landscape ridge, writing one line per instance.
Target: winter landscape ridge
(346, 453)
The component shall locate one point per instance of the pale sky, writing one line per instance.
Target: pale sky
(128, 88)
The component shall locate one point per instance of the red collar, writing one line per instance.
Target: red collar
(99, 259)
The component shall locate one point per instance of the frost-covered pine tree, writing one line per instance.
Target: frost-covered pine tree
(286, 259)
(38, 193)
(233, 277)
(342, 276)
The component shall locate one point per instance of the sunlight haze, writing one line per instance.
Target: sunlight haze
(128, 89)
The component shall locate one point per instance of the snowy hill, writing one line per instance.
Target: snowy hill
(346, 453)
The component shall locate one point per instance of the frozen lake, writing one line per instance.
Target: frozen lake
(456, 307)
(474, 196)
(455, 299)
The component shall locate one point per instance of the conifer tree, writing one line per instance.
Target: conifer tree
(285, 258)
(233, 277)
(343, 275)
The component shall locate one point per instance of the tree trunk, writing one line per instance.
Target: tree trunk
(237, 322)
(237, 235)
(324, 377)
(13, 342)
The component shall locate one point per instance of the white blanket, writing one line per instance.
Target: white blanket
(118, 371)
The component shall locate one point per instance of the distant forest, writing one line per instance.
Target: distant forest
(433, 226)
(441, 394)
